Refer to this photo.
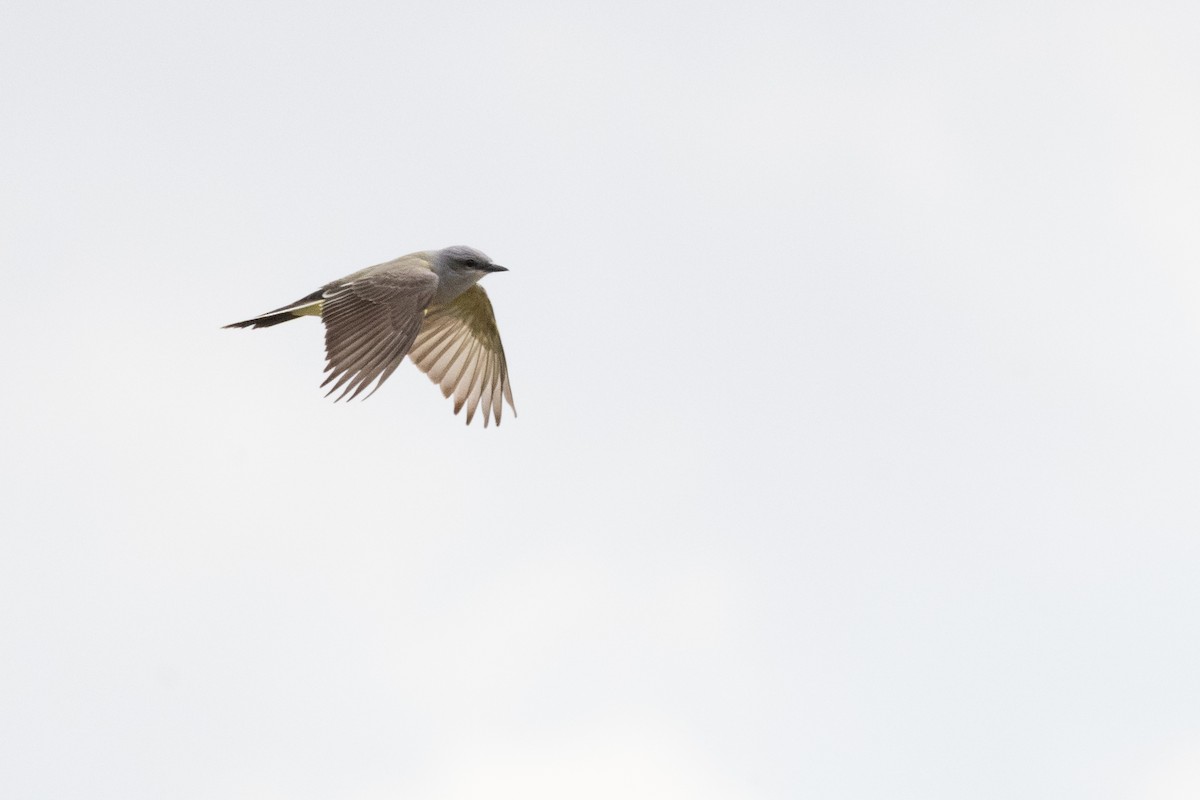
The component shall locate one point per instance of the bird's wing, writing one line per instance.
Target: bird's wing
(371, 320)
(459, 349)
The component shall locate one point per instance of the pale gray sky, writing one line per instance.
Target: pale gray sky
(855, 347)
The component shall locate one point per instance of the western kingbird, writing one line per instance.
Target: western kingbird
(425, 305)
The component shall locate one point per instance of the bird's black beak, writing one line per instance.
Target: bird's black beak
(494, 268)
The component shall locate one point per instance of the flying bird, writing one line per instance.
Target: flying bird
(428, 306)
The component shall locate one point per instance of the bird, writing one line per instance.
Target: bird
(427, 305)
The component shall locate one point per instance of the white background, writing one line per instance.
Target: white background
(855, 348)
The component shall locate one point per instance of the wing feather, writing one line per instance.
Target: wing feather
(485, 386)
(371, 320)
(459, 348)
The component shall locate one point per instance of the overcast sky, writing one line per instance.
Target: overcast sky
(855, 349)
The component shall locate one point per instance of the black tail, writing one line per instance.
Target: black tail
(281, 314)
(265, 321)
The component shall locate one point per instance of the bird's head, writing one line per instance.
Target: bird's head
(465, 260)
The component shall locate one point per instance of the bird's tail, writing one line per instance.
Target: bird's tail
(304, 307)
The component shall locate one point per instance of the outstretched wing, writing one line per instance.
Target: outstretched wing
(459, 349)
(371, 320)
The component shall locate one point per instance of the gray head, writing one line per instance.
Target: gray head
(466, 260)
(459, 268)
